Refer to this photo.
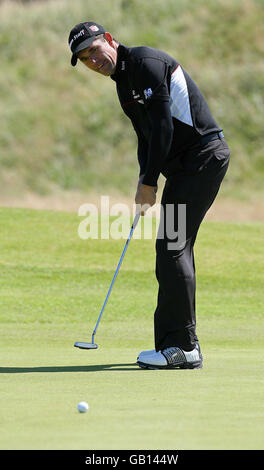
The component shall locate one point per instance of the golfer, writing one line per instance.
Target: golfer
(178, 138)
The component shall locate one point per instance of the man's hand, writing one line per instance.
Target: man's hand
(145, 196)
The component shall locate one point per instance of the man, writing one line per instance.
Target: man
(179, 138)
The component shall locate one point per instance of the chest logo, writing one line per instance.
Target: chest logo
(135, 95)
(148, 93)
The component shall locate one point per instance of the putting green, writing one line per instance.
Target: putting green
(52, 286)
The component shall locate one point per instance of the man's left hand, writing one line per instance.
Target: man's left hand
(145, 197)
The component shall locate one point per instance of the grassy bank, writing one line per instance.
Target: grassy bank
(63, 128)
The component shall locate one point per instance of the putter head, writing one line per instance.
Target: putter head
(82, 345)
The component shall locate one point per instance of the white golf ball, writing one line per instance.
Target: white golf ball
(83, 407)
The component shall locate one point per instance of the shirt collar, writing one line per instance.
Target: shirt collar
(122, 52)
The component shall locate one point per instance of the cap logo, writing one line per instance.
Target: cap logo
(76, 36)
(94, 28)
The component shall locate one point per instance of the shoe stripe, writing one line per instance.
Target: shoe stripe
(174, 356)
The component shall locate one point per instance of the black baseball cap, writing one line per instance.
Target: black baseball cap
(82, 36)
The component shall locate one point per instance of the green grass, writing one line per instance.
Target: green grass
(63, 127)
(52, 286)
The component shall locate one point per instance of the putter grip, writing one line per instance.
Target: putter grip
(136, 219)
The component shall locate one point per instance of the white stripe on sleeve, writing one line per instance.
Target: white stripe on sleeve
(179, 97)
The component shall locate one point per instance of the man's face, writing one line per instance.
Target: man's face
(101, 56)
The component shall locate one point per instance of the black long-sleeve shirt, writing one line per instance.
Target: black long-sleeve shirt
(166, 108)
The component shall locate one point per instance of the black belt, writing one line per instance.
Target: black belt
(207, 138)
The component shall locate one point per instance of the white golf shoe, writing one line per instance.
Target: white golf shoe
(171, 358)
(146, 353)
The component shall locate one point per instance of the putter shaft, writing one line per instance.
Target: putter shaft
(136, 219)
(92, 345)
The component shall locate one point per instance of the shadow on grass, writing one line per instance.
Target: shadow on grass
(92, 368)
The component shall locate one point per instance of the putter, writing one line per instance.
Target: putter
(93, 345)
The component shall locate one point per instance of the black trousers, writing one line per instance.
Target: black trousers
(196, 186)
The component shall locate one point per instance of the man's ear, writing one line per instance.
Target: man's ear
(109, 38)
